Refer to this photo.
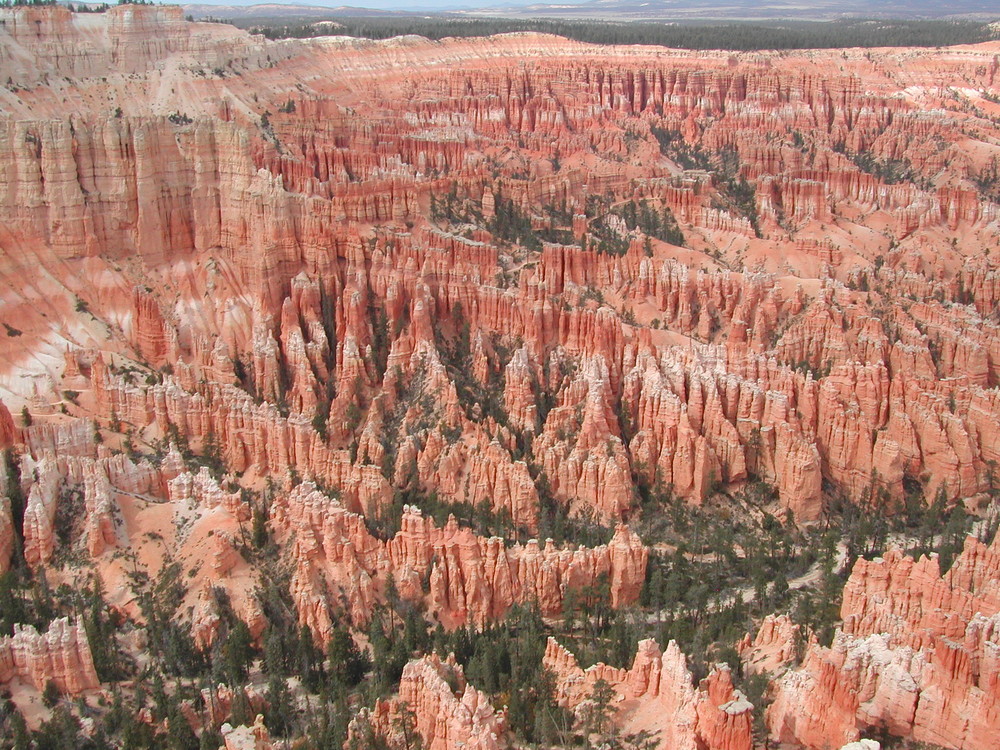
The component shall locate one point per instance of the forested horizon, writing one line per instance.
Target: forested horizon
(737, 36)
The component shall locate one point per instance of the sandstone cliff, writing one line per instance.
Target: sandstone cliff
(873, 407)
(298, 283)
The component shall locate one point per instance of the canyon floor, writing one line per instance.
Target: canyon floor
(491, 393)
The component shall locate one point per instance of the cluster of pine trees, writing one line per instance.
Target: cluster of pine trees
(779, 35)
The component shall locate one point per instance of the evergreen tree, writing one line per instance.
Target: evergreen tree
(347, 663)
(597, 714)
(279, 712)
(180, 736)
(237, 652)
(405, 725)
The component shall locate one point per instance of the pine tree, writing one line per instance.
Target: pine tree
(347, 663)
(237, 652)
(596, 718)
(405, 724)
(180, 736)
(279, 711)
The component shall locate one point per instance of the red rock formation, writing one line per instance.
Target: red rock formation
(39, 515)
(314, 294)
(774, 646)
(658, 694)
(904, 658)
(8, 430)
(149, 331)
(7, 534)
(61, 655)
(448, 712)
(218, 703)
(468, 579)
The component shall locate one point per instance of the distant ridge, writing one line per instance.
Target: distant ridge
(633, 10)
(285, 12)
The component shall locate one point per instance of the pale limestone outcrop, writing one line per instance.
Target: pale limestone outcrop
(255, 737)
(775, 645)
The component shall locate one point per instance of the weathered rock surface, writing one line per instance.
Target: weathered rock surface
(775, 645)
(291, 298)
(917, 655)
(448, 713)
(243, 737)
(428, 272)
(7, 535)
(8, 431)
(657, 694)
(465, 579)
(61, 655)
